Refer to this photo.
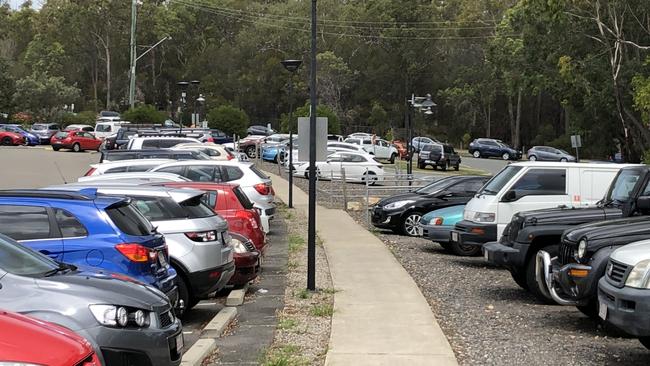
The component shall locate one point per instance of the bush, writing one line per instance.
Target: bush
(144, 114)
(229, 119)
(81, 118)
(333, 124)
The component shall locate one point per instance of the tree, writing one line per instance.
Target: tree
(229, 119)
(6, 89)
(144, 114)
(44, 95)
(333, 125)
(378, 118)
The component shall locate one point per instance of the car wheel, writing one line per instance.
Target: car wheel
(371, 176)
(411, 224)
(532, 158)
(645, 341)
(563, 160)
(477, 154)
(6, 141)
(531, 268)
(465, 250)
(505, 156)
(392, 158)
(76, 147)
(520, 278)
(590, 310)
(56, 148)
(457, 167)
(422, 166)
(251, 152)
(445, 246)
(184, 298)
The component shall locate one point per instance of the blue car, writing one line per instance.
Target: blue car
(30, 138)
(86, 230)
(437, 225)
(486, 148)
(271, 153)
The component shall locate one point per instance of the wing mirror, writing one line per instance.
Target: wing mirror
(510, 196)
(643, 203)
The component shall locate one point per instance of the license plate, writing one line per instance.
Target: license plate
(454, 237)
(179, 342)
(161, 259)
(602, 311)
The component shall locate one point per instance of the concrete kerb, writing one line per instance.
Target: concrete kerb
(207, 343)
(236, 297)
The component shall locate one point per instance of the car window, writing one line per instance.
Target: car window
(258, 172)
(357, 159)
(139, 168)
(210, 198)
(543, 181)
(119, 169)
(150, 144)
(347, 158)
(448, 149)
(427, 147)
(196, 208)
(159, 208)
(22, 261)
(335, 158)
(232, 172)
(103, 128)
(201, 173)
(178, 169)
(61, 135)
(475, 185)
(167, 143)
(435, 186)
(69, 225)
(210, 152)
(129, 220)
(24, 222)
(53, 127)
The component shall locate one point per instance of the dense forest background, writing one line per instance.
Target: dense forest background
(527, 72)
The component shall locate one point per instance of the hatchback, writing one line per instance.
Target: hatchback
(30, 138)
(11, 138)
(45, 131)
(126, 321)
(88, 230)
(76, 141)
(547, 153)
(248, 261)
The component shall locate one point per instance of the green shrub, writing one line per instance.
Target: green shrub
(229, 119)
(144, 114)
(333, 123)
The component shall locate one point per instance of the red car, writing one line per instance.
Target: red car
(75, 140)
(401, 148)
(247, 263)
(231, 203)
(25, 340)
(10, 138)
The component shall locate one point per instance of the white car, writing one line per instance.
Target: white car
(358, 167)
(85, 128)
(214, 151)
(126, 166)
(103, 129)
(158, 142)
(381, 149)
(135, 176)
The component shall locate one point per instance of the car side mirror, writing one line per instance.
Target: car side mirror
(643, 203)
(510, 196)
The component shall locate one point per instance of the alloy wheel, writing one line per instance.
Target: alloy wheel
(411, 224)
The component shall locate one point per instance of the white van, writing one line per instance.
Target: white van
(529, 186)
(105, 128)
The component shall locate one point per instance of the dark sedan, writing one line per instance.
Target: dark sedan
(402, 212)
(485, 148)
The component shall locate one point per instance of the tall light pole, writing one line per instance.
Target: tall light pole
(196, 86)
(134, 14)
(134, 62)
(311, 226)
(422, 103)
(183, 85)
(292, 66)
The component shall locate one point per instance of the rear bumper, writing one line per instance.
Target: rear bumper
(211, 280)
(247, 267)
(436, 233)
(627, 308)
(506, 256)
(472, 233)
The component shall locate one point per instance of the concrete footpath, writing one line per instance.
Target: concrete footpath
(380, 315)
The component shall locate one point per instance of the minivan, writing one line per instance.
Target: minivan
(528, 186)
(106, 128)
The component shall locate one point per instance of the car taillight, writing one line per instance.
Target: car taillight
(210, 139)
(230, 156)
(136, 252)
(263, 189)
(202, 236)
(246, 215)
(90, 172)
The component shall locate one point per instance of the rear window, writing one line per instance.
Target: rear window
(61, 135)
(258, 172)
(243, 199)
(103, 128)
(159, 208)
(449, 149)
(39, 127)
(53, 127)
(196, 208)
(129, 220)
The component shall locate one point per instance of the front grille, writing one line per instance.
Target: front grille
(567, 249)
(166, 319)
(616, 272)
(123, 357)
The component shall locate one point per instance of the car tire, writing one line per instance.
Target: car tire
(519, 278)
(563, 160)
(476, 154)
(444, 167)
(645, 341)
(410, 224)
(532, 158)
(446, 246)
(392, 158)
(465, 250)
(6, 141)
(76, 147)
(531, 268)
(251, 152)
(457, 167)
(183, 295)
(505, 156)
(371, 176)
(56, 148)
(590, 310)
(422, 166)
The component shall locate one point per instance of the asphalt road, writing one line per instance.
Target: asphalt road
(492, 165)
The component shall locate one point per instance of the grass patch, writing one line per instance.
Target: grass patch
(296, 242)
(304, 294)
(292, 265)
(329, 291)
(287, 323)
(283, 356)
(289, 215)
(322, 310)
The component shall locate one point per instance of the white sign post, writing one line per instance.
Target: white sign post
(576, 143)
(303, 139)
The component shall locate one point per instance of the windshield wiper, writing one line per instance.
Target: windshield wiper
(62, 268)
(488, 191)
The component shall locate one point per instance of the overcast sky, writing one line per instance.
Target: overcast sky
(16, 3)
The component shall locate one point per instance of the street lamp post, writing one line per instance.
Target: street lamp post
(134, 62)
(183, 85)
(196, 84)
(201, 101)
(424, 104)
(313, 96)
(292, 66)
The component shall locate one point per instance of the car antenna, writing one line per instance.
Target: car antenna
(60, 173)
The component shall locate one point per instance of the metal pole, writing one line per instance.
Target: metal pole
(290, 142)
(134, 14)
(311, 227)
(367, 205)
(409, 167)
(345, 189)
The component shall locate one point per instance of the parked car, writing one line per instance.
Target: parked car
(528, 186)
(485, 148)
(76, 141)
(29, 341)
(109, 156)
(571, 277)
(231, 203)
(158, 142)
(109, 115)
(247, 260)
(381, 149)
(438, 156)
(143, 176)
(11, 138)
(30, 138)
(361, 135)
(220, 137)
(84, 229)
(45, 131)
(103, 129)
(212, 150)
(194, 235)
(531, 231)
(273, 145)
(126, 321)
(250, 145)
(260, 130)
(547, 153)
(358, 167)
(436, 225)
(85, 128)
(402, 212)
(418, 142)
(624, 292)
(333, 137)
(401, 149)
(125, 166)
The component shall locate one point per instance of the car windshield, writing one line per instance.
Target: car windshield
(623, 186)
(19, 260)
(563, 152)
(39, 127)
(495, 184)
(434, 187)
(160, 208)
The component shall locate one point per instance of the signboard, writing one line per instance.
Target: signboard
(303, 138)
(576, 142)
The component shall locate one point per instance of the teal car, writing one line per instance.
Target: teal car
(436, 225)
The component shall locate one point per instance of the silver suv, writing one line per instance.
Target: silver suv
(198, 249)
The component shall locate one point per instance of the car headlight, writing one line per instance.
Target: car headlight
(119, 316)
(398, 204)
(479, 216)
(238, 246)
(639, 277)
(582, 249)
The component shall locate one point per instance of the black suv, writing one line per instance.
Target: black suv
(438, 156)
(485, 148)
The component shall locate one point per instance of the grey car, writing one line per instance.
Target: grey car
(547, 153)
(198, 249)
(45, 131)
(127, 322)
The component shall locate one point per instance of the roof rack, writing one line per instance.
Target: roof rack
(82, 195)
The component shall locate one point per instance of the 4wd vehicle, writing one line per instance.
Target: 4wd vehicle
(485, 148)
(402, 212)
(438, 156)
(624, 293)
(381, 149)
(532, 231)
